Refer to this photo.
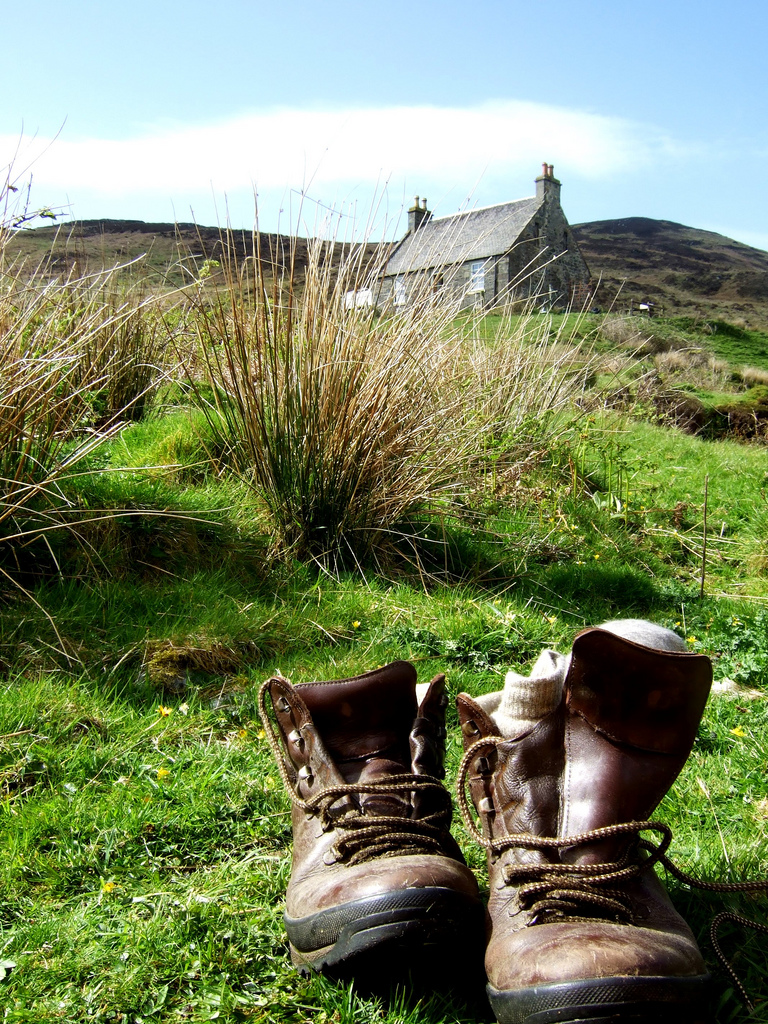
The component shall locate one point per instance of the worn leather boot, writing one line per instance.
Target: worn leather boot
(564, 769)
(378, 884)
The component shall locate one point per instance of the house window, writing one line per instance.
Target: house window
(400, 296)
(477, 276)
(361, 299)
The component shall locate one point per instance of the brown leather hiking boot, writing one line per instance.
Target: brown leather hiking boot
(377, 881)
(564, 769)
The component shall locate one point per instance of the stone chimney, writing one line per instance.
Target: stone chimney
(417, 215)
(547, 184)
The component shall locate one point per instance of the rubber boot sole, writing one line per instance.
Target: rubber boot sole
(600, 1001)
(389, 934)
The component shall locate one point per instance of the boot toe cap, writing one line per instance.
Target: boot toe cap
(331, 886)
(577, 951)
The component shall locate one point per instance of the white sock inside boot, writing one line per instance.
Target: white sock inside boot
(525, 700)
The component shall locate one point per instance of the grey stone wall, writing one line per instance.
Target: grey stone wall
(546, 263)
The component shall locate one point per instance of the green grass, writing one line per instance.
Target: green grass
(127, 892)
(145, 836)
(146, 853)
(738, 345)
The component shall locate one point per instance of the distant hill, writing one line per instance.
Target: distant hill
(681, 270)
(166, 255)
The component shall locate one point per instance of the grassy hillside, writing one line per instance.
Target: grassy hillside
(159, 255)
(680, 270)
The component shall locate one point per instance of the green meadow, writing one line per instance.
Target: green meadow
(203, 488)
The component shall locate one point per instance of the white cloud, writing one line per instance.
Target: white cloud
(289, 148)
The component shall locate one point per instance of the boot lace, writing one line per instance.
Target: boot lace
(367, 836)
(554, 889)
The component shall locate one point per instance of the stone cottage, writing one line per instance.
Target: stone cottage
(523, 250)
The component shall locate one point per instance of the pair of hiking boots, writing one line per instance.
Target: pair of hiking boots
(563, 767)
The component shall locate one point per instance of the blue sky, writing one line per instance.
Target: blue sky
(162, 110)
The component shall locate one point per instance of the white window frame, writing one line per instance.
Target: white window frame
(400, 294)
(476, 277)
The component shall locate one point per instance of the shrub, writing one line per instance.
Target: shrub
(351, 424)
(74, 365)
(624, 331)
(123, 350)
(43, 391)
(332, 416)
(752, 375)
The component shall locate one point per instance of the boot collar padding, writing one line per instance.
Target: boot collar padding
(365, 715)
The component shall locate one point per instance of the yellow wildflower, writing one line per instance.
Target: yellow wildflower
(164, 711)
(738, 732)
(162, 773)
(108, 887)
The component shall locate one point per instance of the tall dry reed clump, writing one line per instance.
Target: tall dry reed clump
(120, 331)
(349, 422)
(74, 365)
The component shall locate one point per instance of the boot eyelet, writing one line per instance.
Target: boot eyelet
(482, 766)
(306, 773)
(485, 806)
(283, 705)
(331, 856)
(470, 728)
(296, 738)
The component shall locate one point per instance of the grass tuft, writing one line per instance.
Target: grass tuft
(349, 424)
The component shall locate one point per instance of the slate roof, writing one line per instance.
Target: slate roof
(473, 235)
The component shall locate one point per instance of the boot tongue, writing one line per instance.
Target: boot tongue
(365, 724)
(633, 712)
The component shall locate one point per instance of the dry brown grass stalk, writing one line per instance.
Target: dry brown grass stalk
(351, 424)
(752, 375)
(74, 365)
